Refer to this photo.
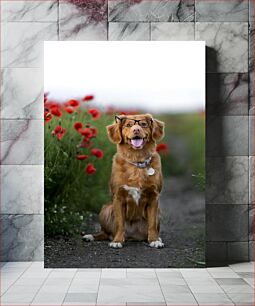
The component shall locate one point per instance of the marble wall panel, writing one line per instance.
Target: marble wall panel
(172, 31)
(22, 189)
(22, 43)
(153, 10)
(227, 135)
(227, 180)
(227, 223)
(77, 22)
(22, 237)
(22, 93)
(34, 11)
(129, 31)
(229, 42)
(22, 142)
(234, 10)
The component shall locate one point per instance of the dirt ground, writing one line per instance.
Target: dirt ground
(182, 231)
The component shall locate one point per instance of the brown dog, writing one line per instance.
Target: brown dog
(136, 183)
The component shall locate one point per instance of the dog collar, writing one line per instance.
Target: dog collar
(143, 164)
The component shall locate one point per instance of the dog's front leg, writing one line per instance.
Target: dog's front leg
(118, 208)
(153, 234)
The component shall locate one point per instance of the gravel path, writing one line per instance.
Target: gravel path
(182, 230)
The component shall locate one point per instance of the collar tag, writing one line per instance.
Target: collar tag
(151, 171)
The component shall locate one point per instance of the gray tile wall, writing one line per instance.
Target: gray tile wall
(228, 29)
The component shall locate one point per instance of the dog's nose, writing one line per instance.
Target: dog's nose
(136, 130)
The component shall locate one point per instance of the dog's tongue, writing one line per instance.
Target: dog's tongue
(136, 142)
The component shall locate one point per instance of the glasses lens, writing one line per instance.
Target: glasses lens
(129, 123)
(143, 123)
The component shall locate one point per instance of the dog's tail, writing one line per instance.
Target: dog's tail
(96, 237)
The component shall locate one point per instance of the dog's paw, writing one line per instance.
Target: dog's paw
(88, 238)
(115, 245)
(158, 244)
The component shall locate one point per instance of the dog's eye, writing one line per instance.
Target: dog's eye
(128, 125)
(143, 124)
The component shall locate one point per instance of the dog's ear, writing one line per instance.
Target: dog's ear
(157, 129)
(114, 133)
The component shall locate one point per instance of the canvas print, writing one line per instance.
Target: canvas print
(124, 149)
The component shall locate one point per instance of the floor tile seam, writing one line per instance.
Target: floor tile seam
(160, 286)
(189, 288)
(228, 296)
(98, 287)
(40, 287)
(15, 280)
(69, 286)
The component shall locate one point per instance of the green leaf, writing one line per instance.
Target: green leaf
(65, 154)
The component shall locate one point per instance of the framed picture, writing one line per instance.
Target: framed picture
(124, 154)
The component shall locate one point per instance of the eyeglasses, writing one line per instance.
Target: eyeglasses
(131, 122)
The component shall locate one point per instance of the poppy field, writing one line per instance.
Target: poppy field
(78, 159)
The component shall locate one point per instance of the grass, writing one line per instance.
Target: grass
(189, 128)
(69, 191)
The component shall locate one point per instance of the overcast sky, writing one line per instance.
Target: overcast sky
(153, 76)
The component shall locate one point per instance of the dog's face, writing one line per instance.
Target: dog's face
(136, 131)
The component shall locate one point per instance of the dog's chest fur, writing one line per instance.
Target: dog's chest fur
(136, 182)
(134, 193)
(137, 185)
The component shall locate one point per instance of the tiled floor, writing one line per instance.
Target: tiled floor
(27, 283)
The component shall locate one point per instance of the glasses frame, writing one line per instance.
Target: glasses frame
(135, 120)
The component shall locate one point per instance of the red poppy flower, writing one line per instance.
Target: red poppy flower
(73, 103)
(52, 104)
(90, 169)
(162, 147)
(82, 157)
(86, 143)
(56, 111)
(59, 132)
(88, 98)
(86, 132)
(78, 126)
(98, 153)
(47, 116)
(94, 113)
(93, 132)
(69, 109)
